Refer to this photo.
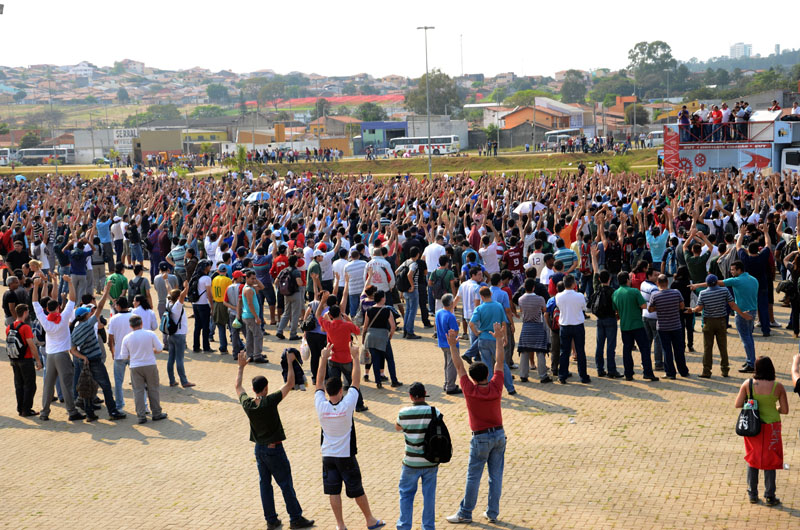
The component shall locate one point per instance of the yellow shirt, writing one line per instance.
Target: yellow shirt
(218, 287)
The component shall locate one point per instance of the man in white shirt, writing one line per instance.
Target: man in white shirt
(339, 464)
(202, 307)
(57, 346)
(547, 270)
(140, 347)
(572, 306)
(118, 227)
(468, 295)
(118, 328)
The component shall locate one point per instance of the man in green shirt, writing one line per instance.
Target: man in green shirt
(314, 275)
(696, 260)
(628, 303)
(266, 431)
(118, 281)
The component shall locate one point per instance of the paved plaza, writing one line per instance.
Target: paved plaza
(612, 454)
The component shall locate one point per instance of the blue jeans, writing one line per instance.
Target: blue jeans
(136, 253)
(119, 377)
(412, 303)
(587, 287)
(353, 301)
(639, 336)
(431, 300)
(606, 335)
(155, 260)
(651, 329)
(379, 358)
(273, 463)
(745, 330)
(176, 345)
(223, 335)
(570, 335)
(674, 348)
(487, 349)
(763, 310)
(409, 478)
(488, 448)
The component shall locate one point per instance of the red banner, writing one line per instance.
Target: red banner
(671, 146)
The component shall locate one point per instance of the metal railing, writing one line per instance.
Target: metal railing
(746, 131)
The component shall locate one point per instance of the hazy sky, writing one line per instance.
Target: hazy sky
(377, 37)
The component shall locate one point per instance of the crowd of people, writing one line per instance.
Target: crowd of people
(723, 123)
(345, 264)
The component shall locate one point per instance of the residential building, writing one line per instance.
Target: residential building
(334, 125)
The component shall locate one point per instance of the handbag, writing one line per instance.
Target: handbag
(749, 422)
(86, 387)
(366, 357)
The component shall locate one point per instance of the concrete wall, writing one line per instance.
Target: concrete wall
(440, 126)
(91, 144)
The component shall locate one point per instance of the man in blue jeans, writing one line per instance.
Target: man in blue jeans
(488, 445)
(482, 322)
(266, 431)
(411, 296)
(414, 421)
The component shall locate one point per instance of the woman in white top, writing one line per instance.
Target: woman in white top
(176, 342)
(142, 308)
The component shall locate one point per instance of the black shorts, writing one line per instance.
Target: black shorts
(337, 470)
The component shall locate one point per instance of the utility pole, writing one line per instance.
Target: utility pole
(428, 100)
(461, 37)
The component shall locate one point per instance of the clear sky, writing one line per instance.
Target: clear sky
(379, 37)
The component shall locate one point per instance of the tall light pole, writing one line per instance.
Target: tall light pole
(428, 100)
(461, 37)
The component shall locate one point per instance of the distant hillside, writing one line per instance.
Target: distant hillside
(787, 58)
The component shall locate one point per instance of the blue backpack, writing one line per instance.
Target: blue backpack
(670, 262)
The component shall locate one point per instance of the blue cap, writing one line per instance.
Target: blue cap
(81, 311)
(711, 280)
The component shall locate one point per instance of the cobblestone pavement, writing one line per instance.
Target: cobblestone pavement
(612, 454)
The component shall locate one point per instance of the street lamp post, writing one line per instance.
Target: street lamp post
(428, 100)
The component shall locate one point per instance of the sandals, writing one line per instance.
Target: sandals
(377, 525)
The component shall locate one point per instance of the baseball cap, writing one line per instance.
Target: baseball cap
(711, 279)
(163, 266)
(237, 275)
(318, 253)
(117, 218)
(81, 311)
(417, 390)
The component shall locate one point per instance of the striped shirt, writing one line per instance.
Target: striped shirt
(414, 420)
(715, 301)
(178, 255)
(566, 256)
(84, 337)
(668, 307)
(355, 274)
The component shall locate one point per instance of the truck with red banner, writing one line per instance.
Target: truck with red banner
(763, 143)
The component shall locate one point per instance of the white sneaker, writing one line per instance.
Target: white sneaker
(490, 519)
(457, 519)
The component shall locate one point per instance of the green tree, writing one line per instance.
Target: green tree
(321, 108)
(367, 90)
(217, 93)
(117, 69)
(491, 132)
(122, 96)
(616, 84)
(4, 128)
(167, 111)
(207, 111)
(573, 89)
(443, 94)
(723, 78)
(272, 92)
(525, 98)
(91, 100)
(650, 62)
(241, 157)
(206, 148)
(343, 110)
(498, 94)
(349, 89)
(642, 118)
(113, 154)
(29, 139)
(610, 100)
(20, 95)
(370, 112)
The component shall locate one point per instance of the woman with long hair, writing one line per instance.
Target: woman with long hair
(765, 450)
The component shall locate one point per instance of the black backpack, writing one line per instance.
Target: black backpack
(193, 295)
(401, 277)
(286, 284)
(438, 448)
(15, 346)
(439, 286)
(614, 257)
(602, 303)
(134, 288)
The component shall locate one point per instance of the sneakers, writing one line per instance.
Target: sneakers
(615, 375)
(467, 359)
(280, 336)
(413, 336)
(77, 417)
(545, 380)
(274, 525)
(651, 377)
(772, 501)
(362, 409)
(457, 519)
(162, 416)
(294, 337)
(118, 416)
(747, 370)
(302, 523)
(490, 519)
(454, 392)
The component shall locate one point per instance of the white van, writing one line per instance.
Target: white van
(7, 156)
(655, 139)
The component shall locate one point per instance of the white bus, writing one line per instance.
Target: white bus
(440, 145)
(7, 155)
(555, 139)
(42, 155)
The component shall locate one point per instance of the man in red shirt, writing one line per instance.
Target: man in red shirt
(26, 364)
(514, 262)
(716, 120)
(340, 330)
(488, 445)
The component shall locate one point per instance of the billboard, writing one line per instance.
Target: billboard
(123, 140)
(709, 157)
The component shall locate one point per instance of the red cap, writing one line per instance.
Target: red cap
(237, 275)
